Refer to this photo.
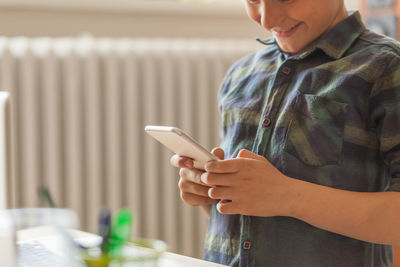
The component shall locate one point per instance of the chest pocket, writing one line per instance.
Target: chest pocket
(315, 131)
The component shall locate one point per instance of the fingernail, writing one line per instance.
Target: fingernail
(202, 179)
(209, 192)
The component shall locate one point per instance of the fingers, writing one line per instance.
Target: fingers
(195, 200)
(181, 162)
(221, 193)
(193, 191)
(194, 194)
(185, 162)
(219, 152)
(224, 166)
(244, 153)
(226, 207)
(189, 187)
(233, 165)
(214, 179)
(192, 175)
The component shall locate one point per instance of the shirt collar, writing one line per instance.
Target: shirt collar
(340, 38)
(336, 41)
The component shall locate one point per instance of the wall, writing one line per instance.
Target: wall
(144, 19)
(147, 18)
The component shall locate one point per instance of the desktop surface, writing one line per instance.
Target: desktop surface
(47, 237)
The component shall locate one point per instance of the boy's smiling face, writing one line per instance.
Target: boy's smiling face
(296, 24)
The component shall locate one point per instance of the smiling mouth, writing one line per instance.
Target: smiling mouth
(288, 32)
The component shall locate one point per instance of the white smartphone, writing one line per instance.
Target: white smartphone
(182, 144)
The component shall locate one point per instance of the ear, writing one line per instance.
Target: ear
(244, 153)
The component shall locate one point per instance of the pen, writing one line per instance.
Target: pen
(45, 195)
(105, 229)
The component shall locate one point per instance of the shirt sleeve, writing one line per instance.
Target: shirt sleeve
(385, 114)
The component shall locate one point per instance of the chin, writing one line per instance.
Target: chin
(290, 50)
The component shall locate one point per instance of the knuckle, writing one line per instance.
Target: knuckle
(215, 164)
(212, 165)
(181, 184)
(182, 172)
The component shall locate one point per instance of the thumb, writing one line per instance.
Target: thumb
(219, 152)
(244, 153)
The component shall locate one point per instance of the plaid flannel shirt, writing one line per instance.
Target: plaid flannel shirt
(329, 116)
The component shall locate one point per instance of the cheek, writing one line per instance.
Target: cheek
(298, 12)
(254, 14)
(316, 18)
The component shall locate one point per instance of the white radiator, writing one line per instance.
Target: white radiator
(79, 108)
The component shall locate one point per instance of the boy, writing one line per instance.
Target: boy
(319, 108)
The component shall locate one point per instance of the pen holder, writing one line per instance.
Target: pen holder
(143, 253)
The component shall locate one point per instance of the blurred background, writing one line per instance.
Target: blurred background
(86, 76)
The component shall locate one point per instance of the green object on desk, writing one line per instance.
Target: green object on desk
(138, 253)
(119, 250)
(100, 261)
(120, 231)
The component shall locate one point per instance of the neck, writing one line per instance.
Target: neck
(341, 15)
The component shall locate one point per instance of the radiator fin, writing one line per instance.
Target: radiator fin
(79, 109)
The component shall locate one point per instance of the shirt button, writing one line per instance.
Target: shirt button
(266, 122)
(286, 70)
(247, 245)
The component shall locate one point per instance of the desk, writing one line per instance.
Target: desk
(167, 260)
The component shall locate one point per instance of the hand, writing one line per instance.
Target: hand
(192, 190)
(254, 186)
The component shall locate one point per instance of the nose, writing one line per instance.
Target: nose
(271, 14)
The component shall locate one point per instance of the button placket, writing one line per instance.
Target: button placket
(278, 89)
